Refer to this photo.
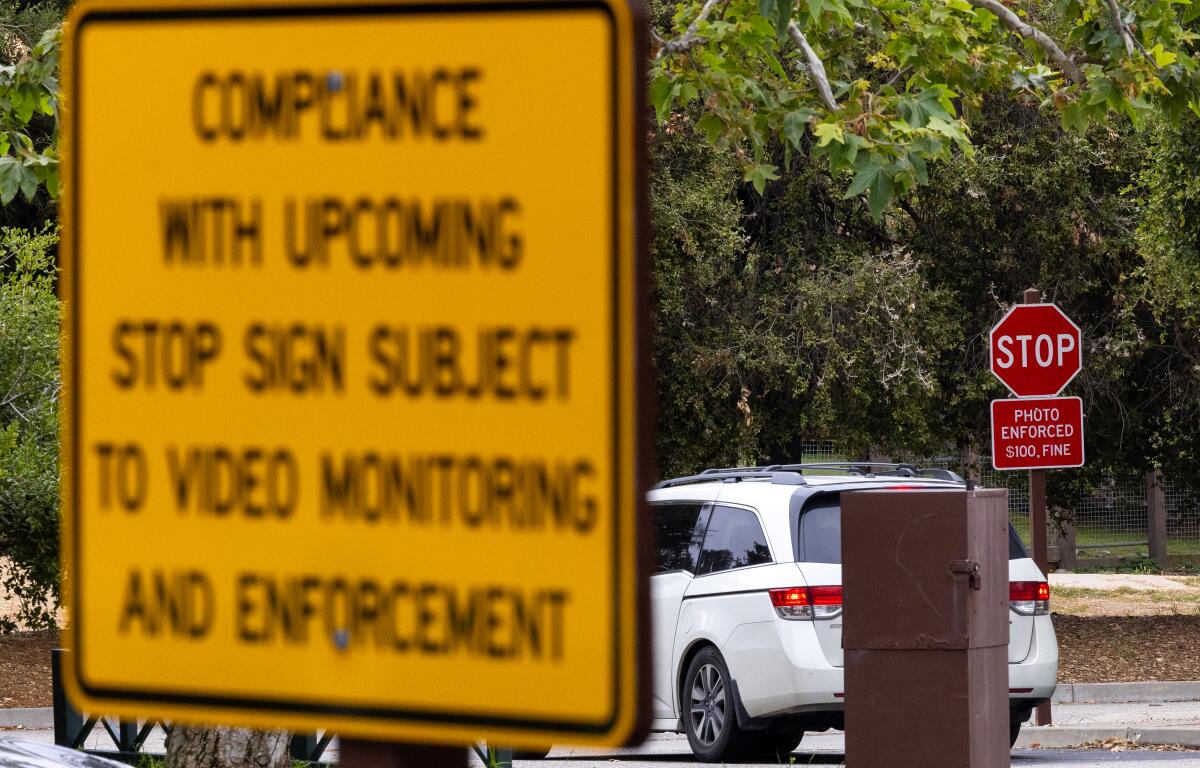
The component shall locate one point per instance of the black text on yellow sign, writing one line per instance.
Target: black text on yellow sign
(353, 438)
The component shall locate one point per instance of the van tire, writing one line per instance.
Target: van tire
(710, 711)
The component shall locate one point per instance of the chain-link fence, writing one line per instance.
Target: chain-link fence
(813, 451)
(1110, 516)
(1183, 519)
(1017, 484)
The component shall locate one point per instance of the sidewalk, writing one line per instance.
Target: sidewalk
(1113, 581)
(1175, 722)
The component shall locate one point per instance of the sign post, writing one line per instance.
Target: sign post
(1036, 351)
(354, 360)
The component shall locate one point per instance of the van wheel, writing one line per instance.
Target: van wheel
(709, 717)
(1014, 730)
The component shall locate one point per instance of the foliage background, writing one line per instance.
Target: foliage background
(788, 311)
(794, 315)
(29, 391)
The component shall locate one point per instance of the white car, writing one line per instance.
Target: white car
(746, 603)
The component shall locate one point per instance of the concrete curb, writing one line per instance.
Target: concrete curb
(28, 717)
(1153, 691)
(1054, 737)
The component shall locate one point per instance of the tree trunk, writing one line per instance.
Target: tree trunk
(192, 747)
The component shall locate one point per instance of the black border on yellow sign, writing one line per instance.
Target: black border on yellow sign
(629, 210)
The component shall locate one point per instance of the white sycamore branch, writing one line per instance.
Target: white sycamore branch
(816, 68)
(1120, 26)
(690, 37)
(1017, 24)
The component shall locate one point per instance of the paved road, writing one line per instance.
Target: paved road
(670, 751)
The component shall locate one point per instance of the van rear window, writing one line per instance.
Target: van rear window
(819, 538)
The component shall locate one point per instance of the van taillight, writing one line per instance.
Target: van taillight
(807, 602)
(1029, 598)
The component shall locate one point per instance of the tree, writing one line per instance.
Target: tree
(1169, 239)
(192, 747)
(747, 296)
(880, 88)
(782, 317)
(28, 93)
(1037, 206)
(29, 38)
(29, 310)
(29, 389)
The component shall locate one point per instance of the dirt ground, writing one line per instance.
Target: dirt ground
(1111, 649)
(25, 668)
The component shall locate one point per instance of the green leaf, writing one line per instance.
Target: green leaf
(10, 179)
(918, 110)
(919, 169)
(662, 91)
(783, 14)
(1101, 90)
(23, 104)
(881, 195)
(947, 129)
(760, 174)
(711, 126)
(865, 177)
(1074, 117)
(1162, 58)
(28, 181)
(854, 142)
(794, 125)
(828, 132)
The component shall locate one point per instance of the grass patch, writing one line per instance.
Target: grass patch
(1144, 595)
(1183, 546)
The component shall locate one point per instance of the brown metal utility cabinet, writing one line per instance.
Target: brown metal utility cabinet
(925, 580)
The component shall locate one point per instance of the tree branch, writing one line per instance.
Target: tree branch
(1119, 25)
(816, 68)
(690, 38)
(1016, 24)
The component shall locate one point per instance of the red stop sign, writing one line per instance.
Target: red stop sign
(1035, 350)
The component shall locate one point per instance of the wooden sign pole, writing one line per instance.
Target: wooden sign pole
(1037, 520)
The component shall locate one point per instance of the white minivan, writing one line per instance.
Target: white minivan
(746, 604)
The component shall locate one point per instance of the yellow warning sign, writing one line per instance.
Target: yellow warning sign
(352, 434)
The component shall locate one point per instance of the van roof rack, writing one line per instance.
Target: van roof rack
(736, 475)
(793, 474)
(876, 469)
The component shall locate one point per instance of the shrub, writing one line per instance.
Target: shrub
(29, 390)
